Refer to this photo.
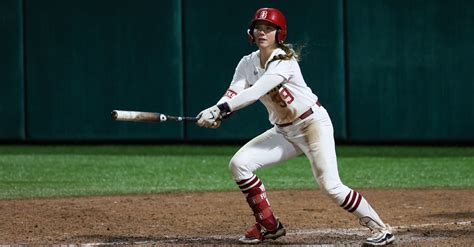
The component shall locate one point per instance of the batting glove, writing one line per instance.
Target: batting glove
(209, 118)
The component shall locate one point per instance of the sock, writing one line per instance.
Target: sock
(355, 203)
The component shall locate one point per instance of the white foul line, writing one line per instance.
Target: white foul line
(363, 231)
(336, 231)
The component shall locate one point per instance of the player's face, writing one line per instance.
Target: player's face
(264, 33)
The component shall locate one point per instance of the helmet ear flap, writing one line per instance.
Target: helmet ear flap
(280, 36)
(277, 37)
(250, 37)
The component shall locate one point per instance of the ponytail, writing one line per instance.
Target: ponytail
(289, 52)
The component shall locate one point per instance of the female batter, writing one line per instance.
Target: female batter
(301, 125)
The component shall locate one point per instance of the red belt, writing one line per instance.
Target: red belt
(302, 116)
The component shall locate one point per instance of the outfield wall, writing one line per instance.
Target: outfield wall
(410, 69)
(385, 70)
(12, 101)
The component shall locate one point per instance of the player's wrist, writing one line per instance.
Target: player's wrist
(225, 110)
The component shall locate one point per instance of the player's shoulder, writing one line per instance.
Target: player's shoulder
(249, 60)
(251, 57)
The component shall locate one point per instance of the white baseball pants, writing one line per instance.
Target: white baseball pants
(312, 136)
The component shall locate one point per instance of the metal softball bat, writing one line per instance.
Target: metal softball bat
(139, 116)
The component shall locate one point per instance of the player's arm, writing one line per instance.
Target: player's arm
(276, 74)
(210, 118)
(239, 81)
(235, 88)
(252, 94)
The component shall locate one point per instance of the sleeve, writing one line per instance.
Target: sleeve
(238, 84)
(282, 68)
(252, 94)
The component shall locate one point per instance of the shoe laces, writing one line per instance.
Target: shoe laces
(378, 233)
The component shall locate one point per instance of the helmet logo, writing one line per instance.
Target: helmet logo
(263, 15)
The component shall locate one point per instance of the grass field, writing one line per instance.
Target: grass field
(53, 171)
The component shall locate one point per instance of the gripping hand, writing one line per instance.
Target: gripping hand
(210, 118)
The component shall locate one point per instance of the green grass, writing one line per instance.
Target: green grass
(53, 171)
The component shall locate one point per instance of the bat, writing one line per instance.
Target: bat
(139, 116)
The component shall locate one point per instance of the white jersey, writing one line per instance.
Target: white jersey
(286, 99)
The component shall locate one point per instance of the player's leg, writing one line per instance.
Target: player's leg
(264, 150)
(318, 145)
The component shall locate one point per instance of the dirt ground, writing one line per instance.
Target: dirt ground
(428, 217)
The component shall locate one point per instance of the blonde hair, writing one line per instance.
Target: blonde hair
(289, 52)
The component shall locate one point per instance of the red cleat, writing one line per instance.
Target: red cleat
(257, 233)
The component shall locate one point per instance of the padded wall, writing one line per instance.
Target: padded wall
(386, 70)
(87, 57)
(12, 126)
(410, 70)
(215, 41)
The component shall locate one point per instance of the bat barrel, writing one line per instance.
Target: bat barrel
(137, 116)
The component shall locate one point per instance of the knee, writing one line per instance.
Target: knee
(240, 167)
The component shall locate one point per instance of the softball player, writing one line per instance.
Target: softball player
(301, 126)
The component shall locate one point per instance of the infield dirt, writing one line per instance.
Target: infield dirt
(424, 217)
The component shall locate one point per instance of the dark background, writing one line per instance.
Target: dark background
(386, 70)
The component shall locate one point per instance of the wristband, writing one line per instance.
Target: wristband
(225, 110)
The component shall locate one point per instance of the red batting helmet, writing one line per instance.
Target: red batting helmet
(273, 16)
